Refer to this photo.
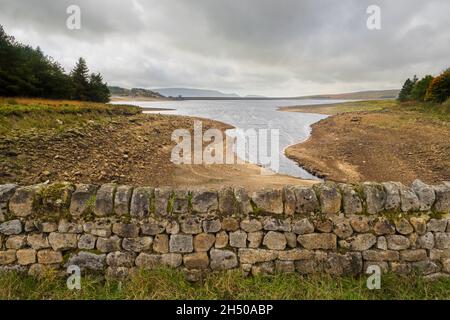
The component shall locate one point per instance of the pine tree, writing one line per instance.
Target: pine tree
(98, 90)
(405, 93)
(420, 88)
(80, 79)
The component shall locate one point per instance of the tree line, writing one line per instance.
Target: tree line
(28, 72)
(429, 88)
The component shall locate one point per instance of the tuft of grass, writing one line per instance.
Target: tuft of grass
(170, 284)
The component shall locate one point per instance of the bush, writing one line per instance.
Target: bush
(439, 89)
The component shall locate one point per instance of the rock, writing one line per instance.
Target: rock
(63, 241)
(6, 192)
(191, 225)
(303, 226)
(437, 225)
(173, 227)
(252, 256)
(140, 202)
(227, 203)
(221, 240)
(275, 240)
(238, 239)
(49, 257)
(383, 227)
(289, 201)
(325, 226)
(343, 229)
(161, 243)
(212, 226)
(24, 201)
(126, 230)
(87, 242)
(120, 259)
(122, 200)
(375, 197)
(426, 241)
(382, 243)
(26, 257)
(263, 268)
(255, 239)
(396, 242)
(291, 239)
(410, 201)
(251, 225)
(12, 227)
(106, 245)
(275, 224)
(284, 266)
(117, 273)
(425, 267)
(223, 259)
(362, 242)
(104, 201)
(442, 203)
(173, 260)
(329, 198)
(446, 265)
(344, 264)
(437, 277)
(100, 229)
(360, 224)
(442, 240)
(49, 227)
(154, 227)
(404, 227)
(137, 244)
(351, 202)
(393, 201)
(400, 267)
(7, 257)
(413, 255)
(82, 200)
(242, 201)
(88, 261)
(425, 194)
(181, 201)
(163, 205)
(38, 241)
(205, 201)
(203, 242)
(181, 243)
(16, 242)
(69, 227)
(148, 261)
(306, 200)
(268, 201)
(380, 255)
(325, 241)
(312, 266)
(230, 224)
(295, 254)
(197, 260)
(419, 224)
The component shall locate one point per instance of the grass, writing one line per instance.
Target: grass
(170, 284)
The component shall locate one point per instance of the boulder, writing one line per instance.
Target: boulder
(223, 259)
(268, 201)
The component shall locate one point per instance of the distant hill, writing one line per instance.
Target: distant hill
(199, 93)
(374, 94)
(134, 92)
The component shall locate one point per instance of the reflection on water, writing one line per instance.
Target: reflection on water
(252, 114)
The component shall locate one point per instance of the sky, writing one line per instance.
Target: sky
(248, 47)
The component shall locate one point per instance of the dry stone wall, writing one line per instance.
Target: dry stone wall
(329, 228)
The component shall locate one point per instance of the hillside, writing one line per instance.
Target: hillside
(134, 92)
(373, 94)
(199, 93)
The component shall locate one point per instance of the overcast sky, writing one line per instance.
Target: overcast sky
(268, 47)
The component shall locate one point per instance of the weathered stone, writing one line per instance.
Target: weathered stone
(6, 192)
(99, 228)
(117, 273)
(413, 239)
(343, 229)
(351, 202)
(410, 201)
(275, 240)
(382, 243)
(82, 200)
(437, 225)
(154, 227)
(49, 257)
(284, 266)
(413, 255)
(87, 242)
(326, 241)
(384, 266)
(442, 203)
(251, 225)
(104, 200)
(230, 224)
(120, 259)
(7, 257)
(181, 201)
(375, 197)
(221, 240)
(38, 241)
(252, 256)
(400, 267)
(163, 205)
(426, 241)
(362, 242)
(88, 261)
(173, 260)
(26, 257)
(23, 202)
(197, 260)
(446, 265)
(383, 227)
(125, 230)
(306, 200)
(111, 244)
(212, 226)
(48, 227)
(223, 259)
(55, 197)
(122, 200)
(442, 240)
(425, 194)
(425, 267)
(393, 201)
(62, 241)
(303, 226)
(419, 224)
(191, 225)
(238, 239)
(173, 227)
(295, 254)
(329, 198)
(242, 201)
(140, 202)
(161, 243)
(65, 226)
(148, 261)
(227, 202)
(396, 242)
(323, 225)
(360, 224)
(30, 226)
(404, 227)
(274, 224)
(205, 201)
(268, 201)
(11, 227)
(137, 244)
(16, 242)
(291, 239)
(180, 243)
(203, 242)
(344, 264)
(263, 268)
(255, 238)
(380, 255)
